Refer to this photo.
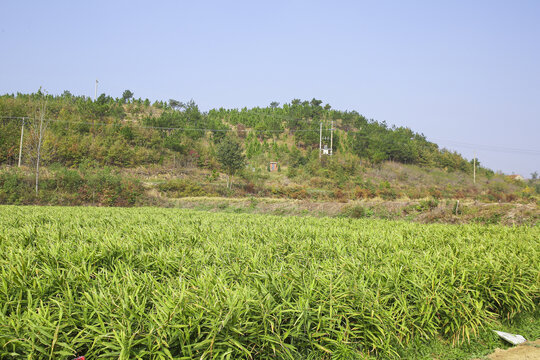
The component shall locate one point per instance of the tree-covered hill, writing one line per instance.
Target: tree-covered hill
(117, 151)
(130, 132)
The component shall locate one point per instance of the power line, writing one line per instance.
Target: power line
(489, 147)
(164, 128)
(455, 142)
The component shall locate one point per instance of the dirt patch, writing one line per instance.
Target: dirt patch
(526, 351)
(412, 210)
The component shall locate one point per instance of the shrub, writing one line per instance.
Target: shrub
(386, 192)
(70, 187)
(67, 179)
(357, 212)
(426, 205)
(296, 192)
(292, 172)
(434, 192)
(15, 188)
(339, 195)
(182, 188)
(363, 193)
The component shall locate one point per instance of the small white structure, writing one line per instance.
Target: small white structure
(326, 150)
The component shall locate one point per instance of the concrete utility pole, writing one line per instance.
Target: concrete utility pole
(320, 141)
(332, 138)
(95, 92)
(20, 146)
(42, 126)
(39, 150)
(474, 169)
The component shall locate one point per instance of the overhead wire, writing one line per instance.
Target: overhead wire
(479, 147)
(163, 127)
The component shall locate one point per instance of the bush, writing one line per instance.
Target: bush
(386, 192)
(363, 193)
(296, 192)
(436, 193)
(339, 195)
(416, 193)
(357, 212)
(182, 188)
(426, 205)
(70, 187)
(15, 188)
(67, 179)
(292, 172)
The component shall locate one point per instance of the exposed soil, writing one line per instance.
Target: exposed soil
(443, 212)
(527, 351)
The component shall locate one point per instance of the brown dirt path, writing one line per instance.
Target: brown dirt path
(526, 351)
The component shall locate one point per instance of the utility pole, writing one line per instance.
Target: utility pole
(95, 92)
(42, 111)
(20, 146)
(474, 169)
(39, 151)
(320, 140)
(332, 138)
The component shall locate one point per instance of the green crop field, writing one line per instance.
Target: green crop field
(168, 283)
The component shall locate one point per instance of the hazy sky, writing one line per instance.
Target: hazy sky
(464, 73)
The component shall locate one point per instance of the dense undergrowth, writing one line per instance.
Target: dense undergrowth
(166, 283)
(62, 186)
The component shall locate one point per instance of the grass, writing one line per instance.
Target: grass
(167, 283)
(527, 324)
(425, 210)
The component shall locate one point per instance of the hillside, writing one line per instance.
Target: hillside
(126, 151)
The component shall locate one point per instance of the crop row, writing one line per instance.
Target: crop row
(168, 283)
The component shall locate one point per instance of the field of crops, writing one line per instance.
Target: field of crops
(168, 283)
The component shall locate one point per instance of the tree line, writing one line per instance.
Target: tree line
(126, 132)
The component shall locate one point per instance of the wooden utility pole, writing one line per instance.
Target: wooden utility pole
(20, 146)
(95, 91)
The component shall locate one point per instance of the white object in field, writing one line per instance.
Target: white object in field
(511, 338)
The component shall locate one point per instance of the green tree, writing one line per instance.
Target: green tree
(230, 156)
(126, 95)
(175, 104)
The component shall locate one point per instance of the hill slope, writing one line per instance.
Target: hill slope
(112, 151)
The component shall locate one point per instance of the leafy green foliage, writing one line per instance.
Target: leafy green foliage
(182, 188)
(62, 186)
(165, 283)
(129, 132)
(229, 154)
(127, 95)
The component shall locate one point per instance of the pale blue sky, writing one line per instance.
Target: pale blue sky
(461, 72)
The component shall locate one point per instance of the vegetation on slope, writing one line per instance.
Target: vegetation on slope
(137, 140)
(116, 132)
